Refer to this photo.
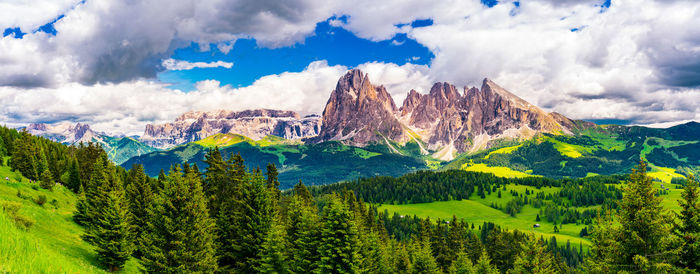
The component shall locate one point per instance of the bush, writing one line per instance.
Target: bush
(54, 203)
(41, 200)
(22, 196)
(12, 211)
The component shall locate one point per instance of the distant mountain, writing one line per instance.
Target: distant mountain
(447, 121)
(66, 133)
(255, 124)
(119, 149)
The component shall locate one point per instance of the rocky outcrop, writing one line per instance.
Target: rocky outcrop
(358, 113)
(255, 124)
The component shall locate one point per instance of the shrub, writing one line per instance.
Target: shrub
(12, 211)
(41, 200)
(54, 203)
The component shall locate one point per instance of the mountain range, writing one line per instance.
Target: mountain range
(118, 148)
(362, 132)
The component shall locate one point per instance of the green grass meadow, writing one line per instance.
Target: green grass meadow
(52, 244)
(477, 210)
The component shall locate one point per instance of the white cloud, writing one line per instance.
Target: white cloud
(126, 107)
(398, 80)
(30, 15)
(637, 60)
(172, 64)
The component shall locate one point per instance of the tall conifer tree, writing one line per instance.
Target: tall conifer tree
(688, 225)
(179, 236)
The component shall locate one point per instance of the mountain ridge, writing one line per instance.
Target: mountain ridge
(256, 124)
(450, 122)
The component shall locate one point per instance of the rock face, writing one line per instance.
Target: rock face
(359, 112)
(66, 133)
(255, 124)
(446, 120)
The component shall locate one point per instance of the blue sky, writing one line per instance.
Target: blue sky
(334, 44)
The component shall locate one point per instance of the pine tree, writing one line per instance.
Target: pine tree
(179, 236)
(303, 228)
(43, 164)
(339, 239)
(688, 227)
(74, 183)
(462, 264)
(110, 228)
(422, 259)
(89, 212)
(642, 242)
(534, 258)
(273, 182)
(81, 208)
(257, 218)
(402, 260)
(46, 180)
(484, 266)
(273, 257)
(302, 192)
(140, 197)
(24, 157)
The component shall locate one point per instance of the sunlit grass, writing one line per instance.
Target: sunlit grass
(499, 171)
(477, 210)
(503, 150)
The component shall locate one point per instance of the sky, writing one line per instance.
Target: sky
(119, 65)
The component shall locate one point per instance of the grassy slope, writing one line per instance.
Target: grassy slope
(594, 150)
(499, 171)
(477, 210)
(52, 244)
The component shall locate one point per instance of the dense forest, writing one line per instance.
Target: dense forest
(233, 218)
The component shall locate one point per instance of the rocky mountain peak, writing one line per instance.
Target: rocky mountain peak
(358, 112)
(444, 93)
(411, 101)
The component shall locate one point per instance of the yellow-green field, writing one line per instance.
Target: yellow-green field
(503, 150)
(499, 171)
(569, 150)
(223, 140)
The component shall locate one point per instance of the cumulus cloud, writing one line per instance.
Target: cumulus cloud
(172, 64)
(636, 60)
(30, 15)
(126, 107)
(113, 41)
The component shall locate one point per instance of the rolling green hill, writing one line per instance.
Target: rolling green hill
(593, 150)
(314, 164)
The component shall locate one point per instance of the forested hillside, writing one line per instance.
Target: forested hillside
(232, 218)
